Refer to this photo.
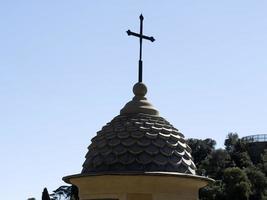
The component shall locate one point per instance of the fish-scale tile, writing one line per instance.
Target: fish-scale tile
(152, 149)
(151, 135)
(135, 149)
(168, 127)
(174, 159)
(100, 137)
(169, 167)
(105, 150)
(119, 117)
(117, 167)
(123, 135)
(93, 145)
(166, 151)
(159, 142)
(134, 166)
(116, 124)
(128, 123)
(101, 143)
(143, 128)
(110, 135)
(144, 158)
(177, 137)
(132, 128)
(179, 153)
(186, 162)
(134, 119)
(184, 169)
(139, 142)
(128, 141)
(126, 158)
(88, 157)
(172, 145)
(137, 134)
(119, 128)
(143, 119)
(181, 139)
(193, 166)
(92, 153)
(187, 155)
(97, 160)
(143, 142)
(183, 145)
(156, 128)
(158, 125)
(119, 149)
(111, 159)
(176, 132)
(166, 130)
(160, 159)
(102, 168)
(188, 149)
(149, 124)
(107, 128)
(100, 132)
(192, 171)
(152, 120)
(139, 123)
(152, 167)
(114, 142)
(88, 163)
(172, 139)
(94, 139)
(163, 135)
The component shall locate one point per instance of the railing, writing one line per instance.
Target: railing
(256, 138)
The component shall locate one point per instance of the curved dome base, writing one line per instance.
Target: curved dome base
(149, 186)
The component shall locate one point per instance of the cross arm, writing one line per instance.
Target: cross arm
(140, 36)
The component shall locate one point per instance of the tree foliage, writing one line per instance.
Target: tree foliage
(66, 192)
(237, 176)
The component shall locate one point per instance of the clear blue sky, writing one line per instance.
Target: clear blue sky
(68, 67)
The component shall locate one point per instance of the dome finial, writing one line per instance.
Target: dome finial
(139, 103)
(139, 89)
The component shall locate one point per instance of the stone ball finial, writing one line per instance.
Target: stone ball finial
(140, 89)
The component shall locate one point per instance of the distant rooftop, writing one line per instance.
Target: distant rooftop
(256, 138)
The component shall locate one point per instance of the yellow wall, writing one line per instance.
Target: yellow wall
(138, 187)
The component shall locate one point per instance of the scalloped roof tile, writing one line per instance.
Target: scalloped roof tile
(134, 147)
(138, 140)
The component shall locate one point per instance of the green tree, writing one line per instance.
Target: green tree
(215, 164)
(45, 194)
(201, 149)
(214, 191)
(258, 182)
(237, 185)
(66, 192)
(263, 164)
(238, 150)
(231, 141)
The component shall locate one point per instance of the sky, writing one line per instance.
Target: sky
(68, 67)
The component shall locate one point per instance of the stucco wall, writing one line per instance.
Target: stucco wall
(138, 187)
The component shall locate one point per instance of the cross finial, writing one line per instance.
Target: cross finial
(141, 37)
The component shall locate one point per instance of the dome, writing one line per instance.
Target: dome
(138, 140)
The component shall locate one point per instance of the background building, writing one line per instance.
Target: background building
(256, 146)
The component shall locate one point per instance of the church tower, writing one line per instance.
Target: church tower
(138, 155)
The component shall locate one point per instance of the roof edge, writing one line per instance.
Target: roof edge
(156, 173)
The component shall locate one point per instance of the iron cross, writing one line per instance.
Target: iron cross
(141, 37)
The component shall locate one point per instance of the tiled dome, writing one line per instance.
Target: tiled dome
(138, 141)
